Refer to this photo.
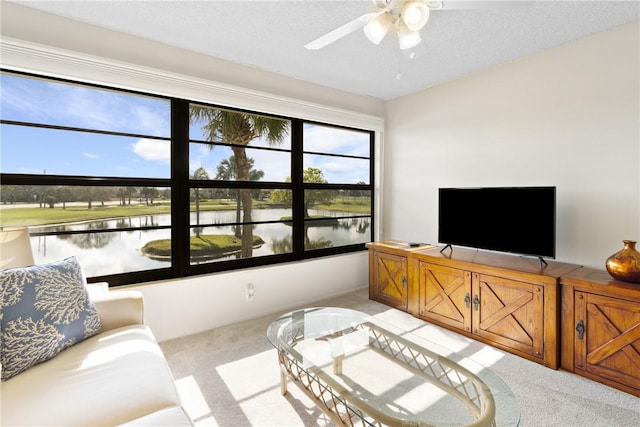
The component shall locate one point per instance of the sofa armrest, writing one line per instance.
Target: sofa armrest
(121, 308)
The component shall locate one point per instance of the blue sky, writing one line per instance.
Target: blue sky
(34, 150)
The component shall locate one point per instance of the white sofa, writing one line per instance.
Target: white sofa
(117, 377)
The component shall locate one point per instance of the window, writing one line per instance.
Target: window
(337, 194)
(240, 159)
(141, 187)
(87, 170)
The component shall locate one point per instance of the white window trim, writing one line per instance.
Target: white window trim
(30, 57)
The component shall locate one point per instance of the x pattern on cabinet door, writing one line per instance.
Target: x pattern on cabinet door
(391, 273)
(443, 299)
(510, 312)
(612, 338)
(445, 295)
(391, 280)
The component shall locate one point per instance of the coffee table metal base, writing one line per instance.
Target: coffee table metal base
(345, 408)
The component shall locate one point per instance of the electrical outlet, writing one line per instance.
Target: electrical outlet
(250, 291)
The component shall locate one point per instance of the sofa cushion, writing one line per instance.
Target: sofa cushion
(109, 379)
(45, 309)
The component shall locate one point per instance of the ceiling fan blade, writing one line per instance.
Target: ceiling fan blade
(342, 31)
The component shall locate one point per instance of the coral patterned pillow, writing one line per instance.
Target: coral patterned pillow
(45, 309)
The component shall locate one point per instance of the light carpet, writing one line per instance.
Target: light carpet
(229, 377)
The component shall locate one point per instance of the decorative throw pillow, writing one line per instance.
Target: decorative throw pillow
(45, 309)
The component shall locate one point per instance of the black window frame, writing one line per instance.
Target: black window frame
(180, 184)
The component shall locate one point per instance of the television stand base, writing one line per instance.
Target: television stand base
(445, 247)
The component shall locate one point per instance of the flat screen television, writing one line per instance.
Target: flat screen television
(520, 220)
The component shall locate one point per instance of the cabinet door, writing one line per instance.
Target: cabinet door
(445, 295)
(509, 312)
(609, 346)
(388, 283)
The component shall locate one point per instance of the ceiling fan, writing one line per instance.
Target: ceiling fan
(406, 17)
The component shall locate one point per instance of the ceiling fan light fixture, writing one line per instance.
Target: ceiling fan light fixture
(377, 28)
(415, 14)
(407, 38)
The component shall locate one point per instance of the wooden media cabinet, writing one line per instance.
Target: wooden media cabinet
(558, 315)
(507, 301)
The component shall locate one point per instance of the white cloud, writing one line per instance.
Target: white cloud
(337, 170)
(152, 122)
(30, 170)
(154, 150)
(275, 165)
(89, 155)
(198, 156)
(334, 140)
(79, 106)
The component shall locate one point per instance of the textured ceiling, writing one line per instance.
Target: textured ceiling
(271, 35)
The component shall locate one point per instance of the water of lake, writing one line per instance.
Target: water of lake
(114, 252)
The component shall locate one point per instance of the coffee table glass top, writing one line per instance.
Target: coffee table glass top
(362, 362)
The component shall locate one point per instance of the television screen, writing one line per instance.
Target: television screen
(518, 220)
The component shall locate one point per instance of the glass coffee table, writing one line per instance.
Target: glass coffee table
(363, 371)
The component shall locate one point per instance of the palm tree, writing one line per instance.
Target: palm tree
(200, 173)
(227, 170)
(240, 129)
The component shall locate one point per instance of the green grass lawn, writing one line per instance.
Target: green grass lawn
(203, 246)
(57, 215)
(30, 216)
(34, 216)
(363, 208)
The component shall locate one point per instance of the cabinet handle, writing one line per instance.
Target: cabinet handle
(467, 300)
(476, 302)
(580, 329)
(404, 282)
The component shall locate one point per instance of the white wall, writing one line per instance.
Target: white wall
(567, 117)
(181, 307)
